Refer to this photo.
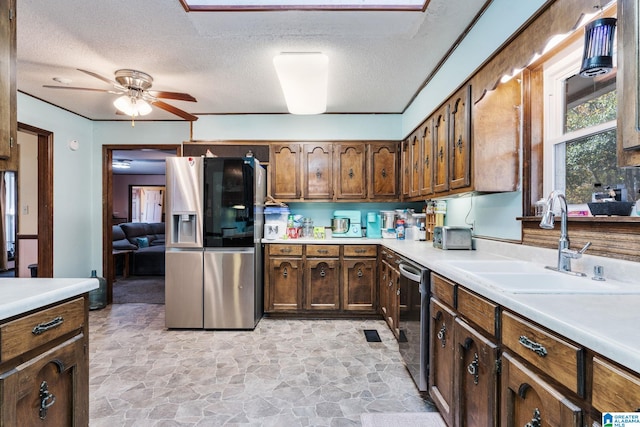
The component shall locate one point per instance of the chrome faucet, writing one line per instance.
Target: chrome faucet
(565, 255)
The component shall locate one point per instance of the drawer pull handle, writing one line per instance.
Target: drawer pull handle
(442, 335)
(533, 346)
(360, 251)
(323, 251)
(473, 369)
(44, 327)
(536, 421)
(285, 250)
(46, 399)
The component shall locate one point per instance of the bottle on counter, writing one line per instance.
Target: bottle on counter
(400, 229)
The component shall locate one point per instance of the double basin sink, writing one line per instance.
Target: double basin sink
(522, 277)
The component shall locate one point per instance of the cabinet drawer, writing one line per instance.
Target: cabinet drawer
(443, 289)
(478, 310)
(554, 356)
(323, 250)
(360, 250)
(29, 332)
(614, 389)
(285, 249)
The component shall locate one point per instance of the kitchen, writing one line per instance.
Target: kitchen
(511, 224)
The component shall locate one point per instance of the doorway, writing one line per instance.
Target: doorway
(111, 216)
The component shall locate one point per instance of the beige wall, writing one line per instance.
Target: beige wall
(28, 184)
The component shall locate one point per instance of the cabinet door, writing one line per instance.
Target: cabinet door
(393, 300)
(405, 169)
(351, 171)
(284, 161)
(614, 389)
(476, 378)
(426, 177)
(416, 164)
(628, 84)
(285, 284)
(383, 167)
(51, 389)
(529, 400)
(441, 150)
(8, 116)
(317, 169)
(358, 279)
(460, 138)
(383, 284)
(322, 284)
(441, 360)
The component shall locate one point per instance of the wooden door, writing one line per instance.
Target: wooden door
(51, 389)
(460, 138)
(416, 164)
(441, 360)
(322, 284)
(285, 284)
(383, 169)
(441, 150)
(358, 281)
(529, 400)
(350, 182)
(426, 177)
(317, 168)
(476, 377)
(284, 162)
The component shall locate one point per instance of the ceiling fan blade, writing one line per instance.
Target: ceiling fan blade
(104, 79)
(82, 88)
(172, 95)
(174, 110)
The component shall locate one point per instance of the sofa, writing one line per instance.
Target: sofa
(146, 241)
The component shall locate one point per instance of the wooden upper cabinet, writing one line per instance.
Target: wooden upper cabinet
(350, 179)
(317, 170)
(441, 149)
(460, 139)
(496, 138)
(8, 115)
(383, 168)
(415, 148)
(628, 84)
(405, 168)
(284, 161)
(426, 177)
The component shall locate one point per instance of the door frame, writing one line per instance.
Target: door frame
(45, 198)
(107, 204)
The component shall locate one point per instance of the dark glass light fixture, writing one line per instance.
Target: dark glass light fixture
(597, 58)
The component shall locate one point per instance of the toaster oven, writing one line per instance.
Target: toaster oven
(452, 237)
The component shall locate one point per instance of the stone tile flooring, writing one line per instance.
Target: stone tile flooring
(284, 373)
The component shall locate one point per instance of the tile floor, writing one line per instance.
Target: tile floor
(284, 373)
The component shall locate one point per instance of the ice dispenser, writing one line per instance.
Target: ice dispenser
(184, 228)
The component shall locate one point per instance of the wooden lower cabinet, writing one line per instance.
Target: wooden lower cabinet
(614, 389)
(476, 377)
(324, 278)
(44, 367)
(389, 291)
(441, 360)
(321, 284)
(528, 400)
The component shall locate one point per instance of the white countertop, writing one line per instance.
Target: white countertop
(604, 323)
(18, 296)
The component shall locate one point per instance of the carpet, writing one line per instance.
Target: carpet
(139, 289)
(413, 419)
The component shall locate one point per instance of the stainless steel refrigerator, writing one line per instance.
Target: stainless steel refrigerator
(214, 255)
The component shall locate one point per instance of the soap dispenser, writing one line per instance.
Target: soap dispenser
(637, 207)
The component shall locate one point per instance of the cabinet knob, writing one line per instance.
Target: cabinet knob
(351, 174)
(426, 161)
(285, 273)
(536, 421)
(383, 173)
(318, 174)
(322, 272)
(360, 274)
(441, 153)
(442, 335)
(473, 369)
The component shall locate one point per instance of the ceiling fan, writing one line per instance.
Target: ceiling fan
(136, 98)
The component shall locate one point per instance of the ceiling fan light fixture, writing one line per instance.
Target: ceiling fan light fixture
(132, 106)
(304, 79)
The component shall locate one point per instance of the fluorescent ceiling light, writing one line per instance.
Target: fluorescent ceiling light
(132, 106)
(121, 164)
(303, 77)
(213, 5)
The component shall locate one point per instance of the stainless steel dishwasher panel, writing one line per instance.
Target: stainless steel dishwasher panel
(229, 289)
(183, 288)
(414, 321)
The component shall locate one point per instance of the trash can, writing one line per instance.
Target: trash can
(34, 270)
(98, 297)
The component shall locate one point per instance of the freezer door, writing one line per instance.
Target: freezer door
(183, 289)
(229, 289)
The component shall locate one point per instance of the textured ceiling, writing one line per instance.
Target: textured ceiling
(378, 59)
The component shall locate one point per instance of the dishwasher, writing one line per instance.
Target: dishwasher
(414, 320)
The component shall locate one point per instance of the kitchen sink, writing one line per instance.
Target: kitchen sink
(554, 283)
(497, 266)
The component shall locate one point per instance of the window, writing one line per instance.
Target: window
(580, 131)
